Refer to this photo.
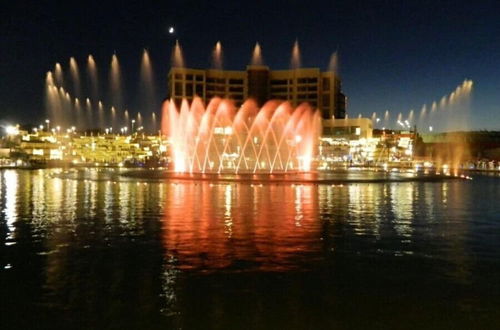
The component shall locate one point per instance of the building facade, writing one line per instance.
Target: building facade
(321, 90)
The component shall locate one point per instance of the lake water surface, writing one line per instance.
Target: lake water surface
(91, 250)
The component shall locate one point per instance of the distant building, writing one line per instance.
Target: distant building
(349, 129)
(321, 90)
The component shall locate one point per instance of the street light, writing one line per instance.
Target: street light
(133, 122)
(48, 124)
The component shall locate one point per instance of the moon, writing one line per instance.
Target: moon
(171, 30)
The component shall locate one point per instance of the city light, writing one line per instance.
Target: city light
(12, 130)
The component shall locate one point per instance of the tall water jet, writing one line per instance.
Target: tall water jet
(218, 138)
(126, 119)
(295, 62)
(139, 120)
(58, 75)
(90, 117)
(423, 112)
(62, 117)
(115, 83)
(75, 76)
(100, 111)
(93, 78)
(411, 116)
(257, 55)
(78, 111)
(386, 118)
(177, 57)
(333, 65)
(154, 127)
(50, 101)
(113, 118)
(146, 88)
(217, 58)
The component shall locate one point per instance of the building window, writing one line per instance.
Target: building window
(178, 89)
(199, 89)
(189, 89)
(189, 77)
(279, 89)
(178, 76)
(279, 82)
(236, 81)
(236, 89)
(199, 78)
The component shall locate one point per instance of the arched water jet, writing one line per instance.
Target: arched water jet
(219, 139)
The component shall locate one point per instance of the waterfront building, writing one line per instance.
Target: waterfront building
(321, 90)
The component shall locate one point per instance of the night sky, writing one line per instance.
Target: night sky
(394, 55)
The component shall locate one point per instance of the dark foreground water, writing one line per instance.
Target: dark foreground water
(95, 252)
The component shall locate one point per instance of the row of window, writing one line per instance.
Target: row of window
(224, 80)
(290, 81)
(190, 77)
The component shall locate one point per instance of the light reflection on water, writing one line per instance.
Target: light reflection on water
(97, 242)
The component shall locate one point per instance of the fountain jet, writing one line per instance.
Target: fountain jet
(217, 56)
(115, 82)
(147, 90)
(177, 57)
(219, 138)
(333, 66)
(93, 80)
(295, 62)
(257, 55)
(75, 76)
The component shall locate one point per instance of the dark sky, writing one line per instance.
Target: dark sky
(394, 55)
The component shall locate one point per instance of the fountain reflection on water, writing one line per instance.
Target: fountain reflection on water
(220, 138)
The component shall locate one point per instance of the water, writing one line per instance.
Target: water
(222, 138)
(101, 252)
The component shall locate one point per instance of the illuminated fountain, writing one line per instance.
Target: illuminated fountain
(219, 138)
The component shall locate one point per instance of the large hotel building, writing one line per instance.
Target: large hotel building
(321, 90)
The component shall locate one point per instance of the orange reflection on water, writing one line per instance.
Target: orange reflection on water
(235, 226)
